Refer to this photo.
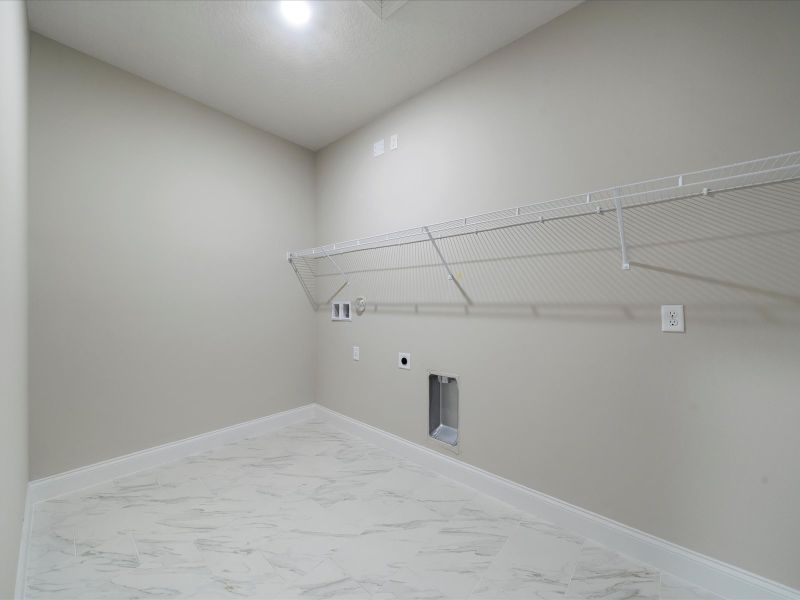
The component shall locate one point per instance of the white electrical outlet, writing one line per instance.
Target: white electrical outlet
(393, 142)
(356, 353)
(377, 148)
(672, 318)
(404, 360)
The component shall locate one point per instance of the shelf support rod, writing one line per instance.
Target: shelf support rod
(621, 227)
(346, 281)
(450, 274)
(309, 295)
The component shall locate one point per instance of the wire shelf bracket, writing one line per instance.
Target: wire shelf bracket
(621, 227)
(315, 305)
(341, 287)
(450, 274)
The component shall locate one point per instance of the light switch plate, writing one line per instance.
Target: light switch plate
(672, 318)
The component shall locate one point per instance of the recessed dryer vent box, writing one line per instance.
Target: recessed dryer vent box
(340, 311)
(443, 409)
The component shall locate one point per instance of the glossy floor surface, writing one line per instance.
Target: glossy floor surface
(312, 512)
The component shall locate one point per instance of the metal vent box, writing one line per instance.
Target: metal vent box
(443, 408)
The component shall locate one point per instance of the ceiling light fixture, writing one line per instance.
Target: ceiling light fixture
(297, 12)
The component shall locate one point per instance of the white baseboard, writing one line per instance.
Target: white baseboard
(25, 536)
(77, 479)
(714, 575)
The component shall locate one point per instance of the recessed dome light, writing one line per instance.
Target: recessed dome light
(297, 12)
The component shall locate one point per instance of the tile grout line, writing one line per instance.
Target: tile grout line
(575, 566)
(482, 576)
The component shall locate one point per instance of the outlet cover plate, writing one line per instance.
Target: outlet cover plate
(340, 311)
(404, 356)
(356, 353)
(672, 318)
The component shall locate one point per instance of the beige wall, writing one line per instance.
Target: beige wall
(13, 381)
(574, 391)
(161, 302)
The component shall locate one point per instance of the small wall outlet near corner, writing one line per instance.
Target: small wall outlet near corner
(672, 318)
(404, 360)
(393, 142)
(356, 353)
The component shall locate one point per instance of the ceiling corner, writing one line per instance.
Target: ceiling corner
(383, 9)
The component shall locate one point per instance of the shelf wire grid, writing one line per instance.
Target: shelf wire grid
(735, 218)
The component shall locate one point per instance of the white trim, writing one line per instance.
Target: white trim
(71, 481)
(25, 535)
(714, 575)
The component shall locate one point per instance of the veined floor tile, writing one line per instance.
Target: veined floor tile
(538, 561)
(313, 512)
(674, 588)
(601, 573)
(327, 580)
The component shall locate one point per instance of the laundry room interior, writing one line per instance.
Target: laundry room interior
(400, 299)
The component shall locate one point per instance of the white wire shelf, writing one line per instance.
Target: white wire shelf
(308, 263)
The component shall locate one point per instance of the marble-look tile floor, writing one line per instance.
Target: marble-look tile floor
(312, 512)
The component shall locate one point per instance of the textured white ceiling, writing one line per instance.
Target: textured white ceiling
(310, 84)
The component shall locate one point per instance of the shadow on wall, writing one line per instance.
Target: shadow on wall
(733, 256)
